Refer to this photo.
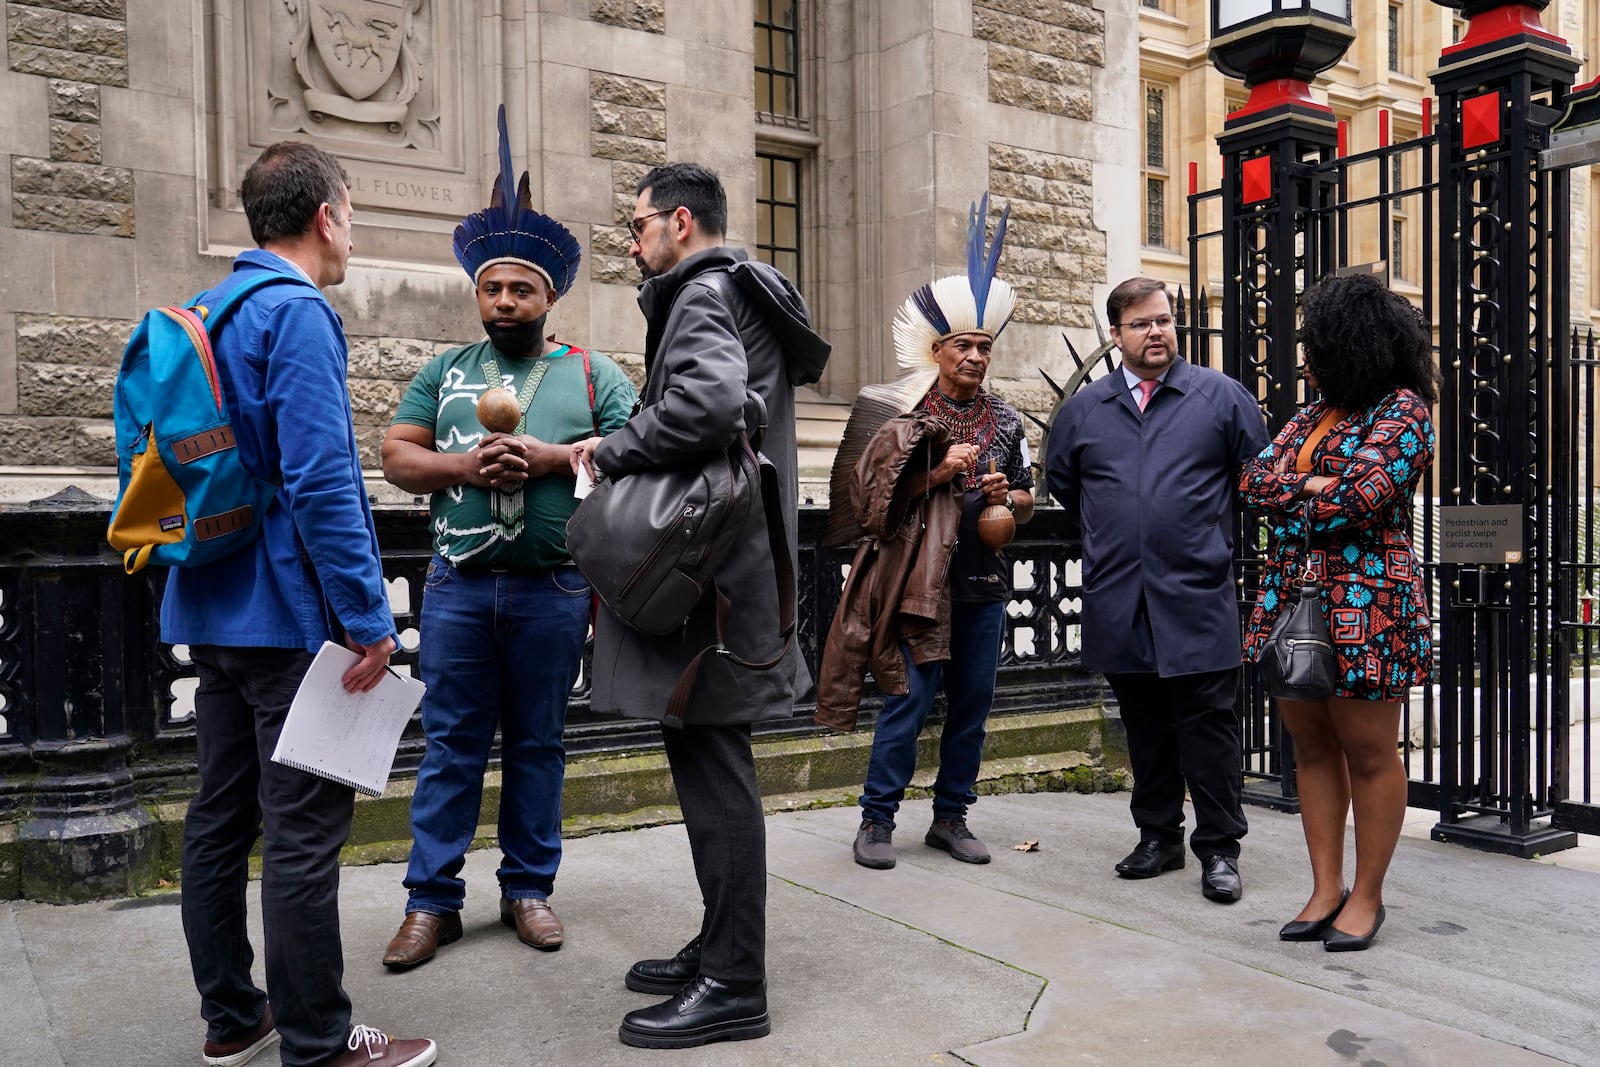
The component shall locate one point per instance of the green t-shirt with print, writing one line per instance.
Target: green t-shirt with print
(525, 529)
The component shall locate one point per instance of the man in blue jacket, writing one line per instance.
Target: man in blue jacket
(1147, 459)
(252, 621)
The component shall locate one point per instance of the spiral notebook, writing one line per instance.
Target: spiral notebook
(348, 738)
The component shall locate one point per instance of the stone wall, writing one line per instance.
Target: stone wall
(78, 45)
(628, 126)
(1042, 53)
(106, 105)
(647, 15)
(1055, 255)
(67, 365)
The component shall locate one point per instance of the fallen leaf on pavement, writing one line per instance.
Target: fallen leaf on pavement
(1027, 846)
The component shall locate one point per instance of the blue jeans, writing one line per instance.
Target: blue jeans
(498, 648)
(968, 682)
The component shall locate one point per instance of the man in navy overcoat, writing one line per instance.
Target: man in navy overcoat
(1147, 459)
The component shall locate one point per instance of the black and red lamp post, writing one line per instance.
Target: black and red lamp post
(1276, 47)
(1270, 149)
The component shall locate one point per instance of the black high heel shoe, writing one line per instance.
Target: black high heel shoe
(1312, 929)
(1339, 941)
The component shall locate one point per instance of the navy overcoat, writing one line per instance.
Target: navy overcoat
(1154, 493)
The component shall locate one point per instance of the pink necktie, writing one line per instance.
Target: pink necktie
(1147, 386)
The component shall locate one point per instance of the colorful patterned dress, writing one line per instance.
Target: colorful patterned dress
(1373, 589)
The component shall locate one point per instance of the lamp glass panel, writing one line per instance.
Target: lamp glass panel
(1231, 13)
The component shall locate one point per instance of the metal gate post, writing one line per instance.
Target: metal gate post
(1270, 252)
(1499, 652)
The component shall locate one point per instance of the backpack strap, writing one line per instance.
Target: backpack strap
(212, 312)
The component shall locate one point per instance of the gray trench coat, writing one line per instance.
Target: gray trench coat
(707, 341)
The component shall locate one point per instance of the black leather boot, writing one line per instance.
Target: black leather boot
(703, 1011)
(666, 976)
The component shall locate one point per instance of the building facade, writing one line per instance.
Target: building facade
(852, 136)
(1379, 90)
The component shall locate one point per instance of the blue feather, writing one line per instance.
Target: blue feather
(930, 309)
(505, 194)
(976, 218)
(980, 267)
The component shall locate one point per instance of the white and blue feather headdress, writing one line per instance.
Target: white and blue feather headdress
(509, 230)
(975, 302)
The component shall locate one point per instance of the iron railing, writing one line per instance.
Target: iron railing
(90, 699)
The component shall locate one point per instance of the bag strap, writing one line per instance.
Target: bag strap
(212, 314)
(588, 378)
(1307, 577)
(783, 572)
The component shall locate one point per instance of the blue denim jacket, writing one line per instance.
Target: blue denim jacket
(314, 574)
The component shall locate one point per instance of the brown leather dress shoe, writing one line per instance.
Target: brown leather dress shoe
(419, 937)
(535, 923)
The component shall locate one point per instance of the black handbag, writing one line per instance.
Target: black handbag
(650, 543)
(1298, 662)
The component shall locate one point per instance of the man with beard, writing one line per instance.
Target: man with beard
(1147, 459)
(718, 326)
(504, 611)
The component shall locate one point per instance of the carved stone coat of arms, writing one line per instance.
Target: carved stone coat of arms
(346, 51)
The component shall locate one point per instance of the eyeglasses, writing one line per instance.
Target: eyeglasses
(1164, 323)
(636, 226)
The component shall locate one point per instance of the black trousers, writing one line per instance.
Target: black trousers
(714, 772)
(242, 700)
(1183, 730)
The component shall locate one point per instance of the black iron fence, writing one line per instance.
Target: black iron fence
(95, 711)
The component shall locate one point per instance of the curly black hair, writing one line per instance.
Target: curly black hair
(1362, 340)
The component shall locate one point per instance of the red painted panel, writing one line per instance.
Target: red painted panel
(1480, 120)
(1255, 179)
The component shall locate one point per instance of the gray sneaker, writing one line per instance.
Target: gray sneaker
(953, 836)
(875, 845)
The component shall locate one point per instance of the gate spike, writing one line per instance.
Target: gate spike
(1060, 392)
(1073, 352)
(1037, 421)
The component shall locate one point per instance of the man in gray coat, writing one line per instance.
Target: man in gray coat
(1147, 459)
(717, 325)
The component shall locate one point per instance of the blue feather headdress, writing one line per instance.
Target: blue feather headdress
(510, 231)
(975, 302)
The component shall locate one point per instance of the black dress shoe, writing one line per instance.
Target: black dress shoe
(1150, 859)
(1312, 929)
(1339, 941)
(1220, 881)
(703, 1011)
(666, 976)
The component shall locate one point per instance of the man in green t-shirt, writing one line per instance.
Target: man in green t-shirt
(504, 611)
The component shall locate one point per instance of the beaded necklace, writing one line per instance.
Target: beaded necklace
(971, 423)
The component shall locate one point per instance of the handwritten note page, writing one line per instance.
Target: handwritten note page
(346, 737)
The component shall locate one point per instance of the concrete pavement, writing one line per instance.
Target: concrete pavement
(1039, 958)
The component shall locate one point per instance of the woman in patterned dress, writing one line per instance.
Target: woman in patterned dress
(1356, 455)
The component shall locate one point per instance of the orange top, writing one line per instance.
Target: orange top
(1330, 418)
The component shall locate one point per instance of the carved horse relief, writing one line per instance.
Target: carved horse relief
(346, 51)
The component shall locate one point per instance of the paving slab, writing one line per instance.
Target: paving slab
(1039, 958)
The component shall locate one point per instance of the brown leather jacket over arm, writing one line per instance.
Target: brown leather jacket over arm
(899, 587)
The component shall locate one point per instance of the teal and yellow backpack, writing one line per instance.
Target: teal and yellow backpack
(183, 497)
